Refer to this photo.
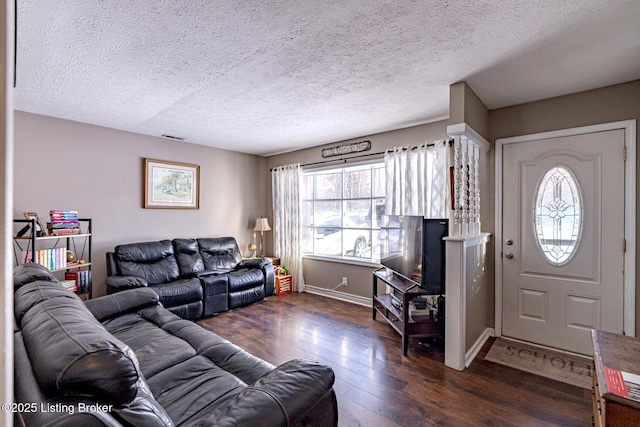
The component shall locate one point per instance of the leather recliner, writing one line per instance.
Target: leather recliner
(193, 277)
(124, 360)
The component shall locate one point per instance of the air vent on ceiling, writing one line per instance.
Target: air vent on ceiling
(173, 137)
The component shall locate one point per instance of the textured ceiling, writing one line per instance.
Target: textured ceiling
(268, 76)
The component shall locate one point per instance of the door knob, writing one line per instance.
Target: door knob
(509, 255)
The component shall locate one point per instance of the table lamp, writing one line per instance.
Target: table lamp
(262, 225)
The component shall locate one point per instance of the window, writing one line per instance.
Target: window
(558, 215)
(343, 210)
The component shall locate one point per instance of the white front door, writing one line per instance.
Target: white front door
(563, 229)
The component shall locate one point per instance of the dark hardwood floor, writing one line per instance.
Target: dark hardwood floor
(376, 386)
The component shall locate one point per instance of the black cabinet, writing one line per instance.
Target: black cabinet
(395, 307)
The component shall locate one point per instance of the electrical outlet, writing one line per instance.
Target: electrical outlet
(344, 280)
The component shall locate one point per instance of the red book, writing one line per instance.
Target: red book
(615, 382)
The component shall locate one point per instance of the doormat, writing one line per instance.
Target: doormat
(556, 365)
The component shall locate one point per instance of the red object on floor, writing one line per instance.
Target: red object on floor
(284, 285)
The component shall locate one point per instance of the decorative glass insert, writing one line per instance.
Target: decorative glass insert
(558, 215)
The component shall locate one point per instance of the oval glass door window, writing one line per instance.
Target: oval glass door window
(558, 215)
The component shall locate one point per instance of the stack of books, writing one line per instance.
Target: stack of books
(82, 279)
(63, 223)
(69, 285)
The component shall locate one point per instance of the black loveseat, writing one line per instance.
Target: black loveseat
(123, 359)
(194, 278)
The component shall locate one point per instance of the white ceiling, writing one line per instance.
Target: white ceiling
(269, 76)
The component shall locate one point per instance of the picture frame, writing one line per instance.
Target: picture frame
(171, 185)
(40, 230)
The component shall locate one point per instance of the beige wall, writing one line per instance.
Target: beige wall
(328, 274)
(466, 107)
(609, 104)
(98, 171)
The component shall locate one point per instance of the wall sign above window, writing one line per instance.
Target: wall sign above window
(340, 150)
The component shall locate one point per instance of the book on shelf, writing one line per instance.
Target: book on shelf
(69, 285)
(622, 383)
(62, 225)
(53, 259)
(63, 231)
(82, 279)
(53, 213)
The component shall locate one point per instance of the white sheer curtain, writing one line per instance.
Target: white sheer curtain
(417, 180)
(287, 218)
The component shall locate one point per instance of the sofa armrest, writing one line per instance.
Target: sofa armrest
(122, 302)
(269, 280)
(253, 263)
(208, 273)
(284, 396)
(29, 395)
(121, 283)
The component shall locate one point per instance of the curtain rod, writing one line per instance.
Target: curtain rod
(345, 159)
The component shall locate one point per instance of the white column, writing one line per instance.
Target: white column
(471, 149)
(476, 189)
(6, 206)
(455, 304)
(464, 185)
(457, 280)
(457, 220)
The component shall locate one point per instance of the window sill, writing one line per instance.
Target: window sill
(362, 263)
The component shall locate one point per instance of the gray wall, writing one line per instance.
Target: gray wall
(609, 104)
(98, 171)
(466, 107)
(328, 274)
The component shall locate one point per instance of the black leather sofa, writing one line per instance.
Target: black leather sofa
(124, 360)
(194, 278)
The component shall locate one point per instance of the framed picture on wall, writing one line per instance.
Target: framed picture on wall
(171, 185)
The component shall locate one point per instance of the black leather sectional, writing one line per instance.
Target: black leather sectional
(194, 278)
(124, 360)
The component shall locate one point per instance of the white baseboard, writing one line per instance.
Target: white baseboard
(477, 346)
(343, 296)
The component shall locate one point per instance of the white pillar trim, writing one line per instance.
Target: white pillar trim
(455, 323)
(466, 187)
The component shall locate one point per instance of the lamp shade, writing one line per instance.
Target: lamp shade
(262, 224)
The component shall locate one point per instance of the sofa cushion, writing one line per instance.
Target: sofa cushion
(70, 351)
(153, 261)
(121, 303)
(219, 253)
(178, 292)
(243, 279)
(198, 370)
(188, 256)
